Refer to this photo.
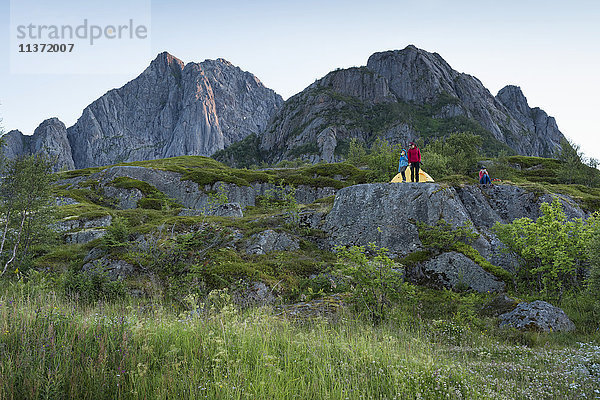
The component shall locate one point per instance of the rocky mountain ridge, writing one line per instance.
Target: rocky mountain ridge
(171, 109)
(401, 96)
(174, 108)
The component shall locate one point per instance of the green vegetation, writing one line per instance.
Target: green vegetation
(443, 237)
(342, 325)
(374, 282)
(55, 347)
(554, 250)
(26, 211)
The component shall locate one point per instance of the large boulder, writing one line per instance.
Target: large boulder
(537, 316)
(454, 271)
(386, 214)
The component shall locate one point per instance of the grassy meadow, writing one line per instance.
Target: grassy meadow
(52, 347)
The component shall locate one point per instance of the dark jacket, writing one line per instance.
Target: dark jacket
(414, 155)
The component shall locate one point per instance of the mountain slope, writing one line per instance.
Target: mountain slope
(400, 95)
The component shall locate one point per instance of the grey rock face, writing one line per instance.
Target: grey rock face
(187, 193)
(385, 214)
(221, 210)
(332, 110)
(49, 138)
(382, 213)
(544, 136)
(455, 271)
(172, 109)
(114, 269)
(126, 198)
(84, 236)
(70, 223)
(537, 316)
(270, 241)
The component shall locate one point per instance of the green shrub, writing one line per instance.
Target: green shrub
(443, 237)
(117, 234)
(553, 250)
(375, 281)
(150, 204)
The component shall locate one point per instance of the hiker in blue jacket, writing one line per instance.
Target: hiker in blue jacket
(403, 164)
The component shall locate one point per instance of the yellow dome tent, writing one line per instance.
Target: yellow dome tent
(423, 177)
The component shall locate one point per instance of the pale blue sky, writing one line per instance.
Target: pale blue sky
(549, 48)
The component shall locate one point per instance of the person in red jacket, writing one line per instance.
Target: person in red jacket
(414, 159)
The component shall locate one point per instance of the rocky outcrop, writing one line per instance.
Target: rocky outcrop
(76, 230)
(74, 223)
(49, 138)
(84, 236)
(537, 316)
(455, 271)
(270, 241)
(386, 214)
(543, 135)
(381, 99)
(187, 193)
(172, 109)
(220, 210)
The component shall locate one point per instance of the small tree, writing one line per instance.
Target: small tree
(383, 160)
(26, 207)
(357, 154)
(375, 281)
(458, 153)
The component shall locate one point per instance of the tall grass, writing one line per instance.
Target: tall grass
(54, 348)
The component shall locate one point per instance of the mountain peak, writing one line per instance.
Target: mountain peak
(512, 97)
(166, 60)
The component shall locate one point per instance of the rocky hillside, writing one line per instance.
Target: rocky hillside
(400, 95)
(307, 211)
(171, 109)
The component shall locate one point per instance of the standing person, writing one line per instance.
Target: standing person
(403, 164)
(484, 177)
(414, 159)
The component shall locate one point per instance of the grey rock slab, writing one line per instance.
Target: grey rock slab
(269, 241)
(384, 213)
(455, 271)
(537, 316)
(126, 198)
(72, 223)
(84, 235)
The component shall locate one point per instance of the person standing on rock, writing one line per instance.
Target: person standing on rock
(414, 159)
(403, 164)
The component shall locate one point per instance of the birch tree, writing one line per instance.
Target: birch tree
(25, 206)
